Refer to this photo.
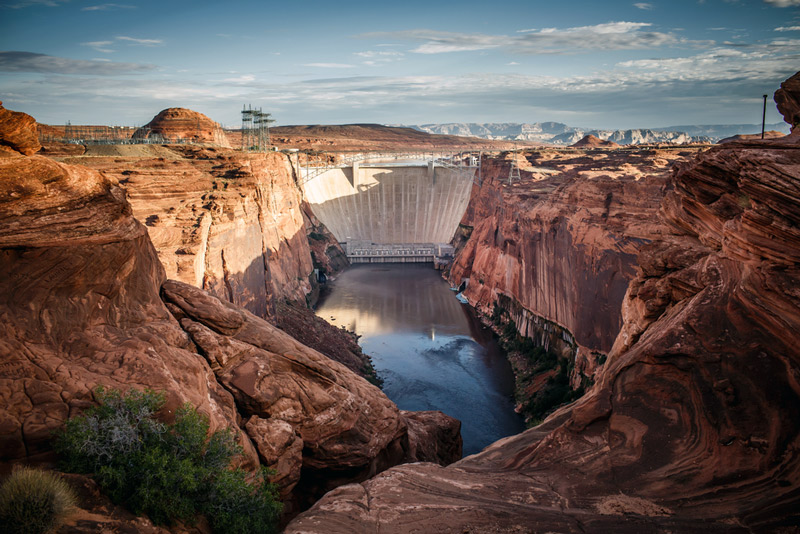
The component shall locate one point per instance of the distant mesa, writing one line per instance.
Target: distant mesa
(772, 134)
(174, 124)
(590, 141)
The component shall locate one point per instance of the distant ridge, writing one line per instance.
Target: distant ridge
(591, 141)
(562, 134)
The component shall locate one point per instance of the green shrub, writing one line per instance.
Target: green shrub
(34, 502)
(168, 472)
(555, 392)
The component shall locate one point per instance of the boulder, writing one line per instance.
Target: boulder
(788, 100)
(18, 133)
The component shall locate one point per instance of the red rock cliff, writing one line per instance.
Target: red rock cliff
(693, 424)
(234, 224)
(561, 244)
(84, 301)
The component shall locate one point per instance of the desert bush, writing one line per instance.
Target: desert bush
(34, 502)
(168, 472)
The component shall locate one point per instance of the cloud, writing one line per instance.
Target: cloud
(104, 46)
(379, 53)
(14, 61)
(643, 5)
(788, 29)
(100, 46)
(141, 42)
(620, 35)
(29, 3)
(768, 61)
(243, 79)
(380, 57)
(107, 7)
(783, 3)
(329, 65)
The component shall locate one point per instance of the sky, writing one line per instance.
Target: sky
(594, 64)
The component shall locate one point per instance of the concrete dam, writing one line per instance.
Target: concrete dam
(398, 211)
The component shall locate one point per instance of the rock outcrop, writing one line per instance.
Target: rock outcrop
(181, 124)
(770, 134)
(81, 305)
(318, 413)
(561, 245)
(20, 134)
(692, 425)
(590, 141)
(235, 224)
(788, 100)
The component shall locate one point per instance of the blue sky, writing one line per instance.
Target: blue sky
(609, 64)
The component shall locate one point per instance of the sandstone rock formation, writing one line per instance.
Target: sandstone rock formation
(590, 141)
(174, 124)
(788, 100)
(770, 134)
(81, 306)
(692, 425)
(561, 245)
(19, 132)
(236, 225)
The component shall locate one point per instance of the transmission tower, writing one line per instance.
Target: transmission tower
(261, 123)
(255, 129)
(247, 127)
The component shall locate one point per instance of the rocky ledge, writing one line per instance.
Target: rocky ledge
(692, 425)
(84, 302)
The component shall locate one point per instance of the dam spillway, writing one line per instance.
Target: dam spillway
(398, 211)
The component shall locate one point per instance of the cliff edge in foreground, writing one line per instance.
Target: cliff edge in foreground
(84, 301)
(694, 422)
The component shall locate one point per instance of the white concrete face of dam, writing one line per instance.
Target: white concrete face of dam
(391, 204)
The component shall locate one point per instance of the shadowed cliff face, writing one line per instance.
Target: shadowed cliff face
(693, 424)
(560, 245)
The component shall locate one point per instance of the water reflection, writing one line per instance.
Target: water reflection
(432, 353)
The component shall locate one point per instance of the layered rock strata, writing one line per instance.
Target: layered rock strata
(181, 124)
(236, 225)
(788, 100)
(558, 248)
(692, 425)
(81, 306)
(19, 133)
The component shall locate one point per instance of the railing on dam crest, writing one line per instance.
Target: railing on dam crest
(469, 162)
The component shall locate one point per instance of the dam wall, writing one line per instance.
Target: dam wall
(416, 206)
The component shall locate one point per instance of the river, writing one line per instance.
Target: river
(430, 349)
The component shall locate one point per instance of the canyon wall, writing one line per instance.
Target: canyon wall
(693, 422)
(85, 302)
(234, 224)
(559, 247)
(228, 222)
